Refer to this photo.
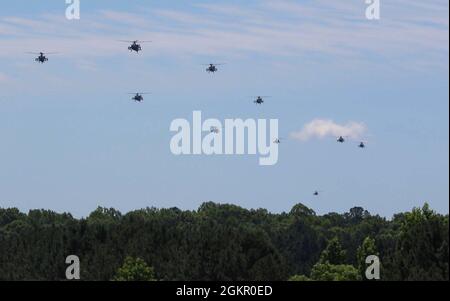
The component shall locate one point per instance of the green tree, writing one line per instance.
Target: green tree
(422, 248)
(135, 269)
(223, 242)
(333, 253)
(299, 278)
(331, 272)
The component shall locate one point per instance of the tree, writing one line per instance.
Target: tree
(104, 216)
(333, 254)
(301, 210)
(357, 214)
(299, 278)
(222, 242)
(331, 272)
(422, 249)
(135, 269)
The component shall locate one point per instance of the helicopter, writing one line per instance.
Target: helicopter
(212, 68)
(362, 145)
(277, 141)
(260, 100)
(341, 139)
(214, 129)
(135, 46)
(138, 97)
(316, 193)
(41, 58)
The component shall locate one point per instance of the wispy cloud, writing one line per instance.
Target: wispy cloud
(409, 34)
(321, 128)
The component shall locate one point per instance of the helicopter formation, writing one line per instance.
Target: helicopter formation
(341, 139)
(136, 47)
(211, 68)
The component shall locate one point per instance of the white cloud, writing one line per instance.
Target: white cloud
(321, 128)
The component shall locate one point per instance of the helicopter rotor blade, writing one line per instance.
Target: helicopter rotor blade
(137, 41)
(42, 52)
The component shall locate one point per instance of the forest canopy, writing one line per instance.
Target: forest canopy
(223, 242)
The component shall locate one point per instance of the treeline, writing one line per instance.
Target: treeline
(223, 242)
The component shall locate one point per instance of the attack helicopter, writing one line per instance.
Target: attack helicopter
(138, 97)
(212, 68)
(135, 45)
(341, 139)
(260, 99)
(41, 56)
(214, 129)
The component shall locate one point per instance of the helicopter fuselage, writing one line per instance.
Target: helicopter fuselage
(212, 69)
(135, 47)
(138, 98)
(259, 101)
(41, 59)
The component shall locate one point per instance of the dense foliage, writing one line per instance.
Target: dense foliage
(223, 242)
(135, 269)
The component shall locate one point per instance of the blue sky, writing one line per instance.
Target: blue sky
(71, 140)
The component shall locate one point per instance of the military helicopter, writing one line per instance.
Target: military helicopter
(277, 141)
(260, 100)
(138, 97)
(316, 193)
(41, 58)
(362, 144)
(214, 129)
(341, 139)
(212, 68)
(136, 45)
